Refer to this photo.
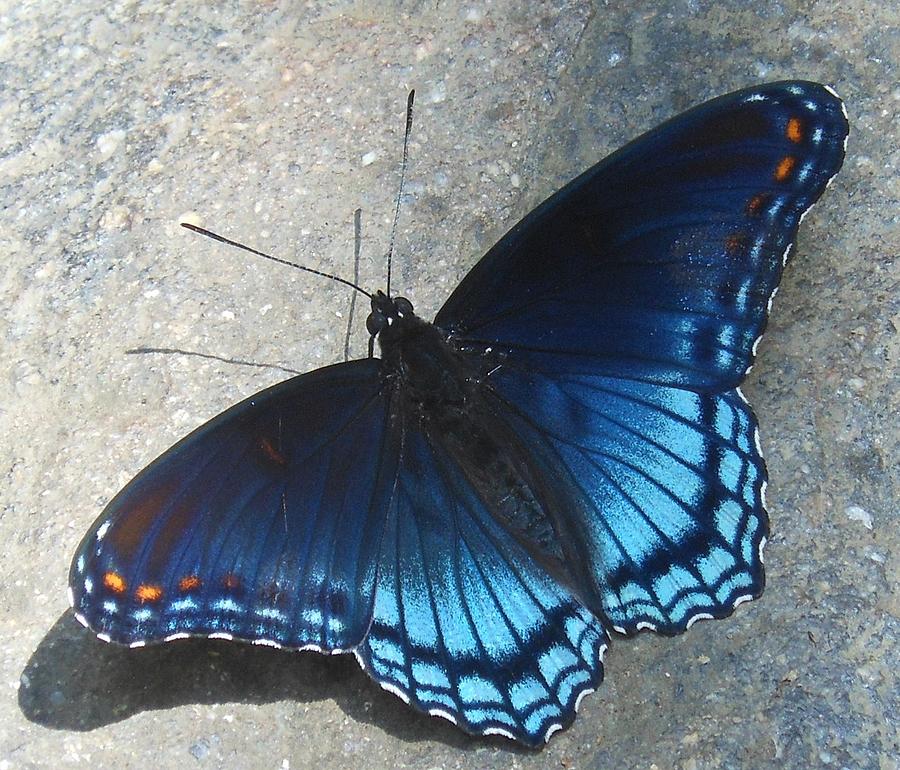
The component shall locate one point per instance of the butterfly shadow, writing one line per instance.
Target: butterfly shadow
(73, 681)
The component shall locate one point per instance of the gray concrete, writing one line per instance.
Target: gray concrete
(272, 122)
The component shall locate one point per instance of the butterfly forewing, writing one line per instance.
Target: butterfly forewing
(261, 525)
(658, 263)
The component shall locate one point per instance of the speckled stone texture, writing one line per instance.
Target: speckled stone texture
(272, 122)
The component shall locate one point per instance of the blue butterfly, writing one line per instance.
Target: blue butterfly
(563, 452)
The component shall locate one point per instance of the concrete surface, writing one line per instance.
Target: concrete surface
(272, 122)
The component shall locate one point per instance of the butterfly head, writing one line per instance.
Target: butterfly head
(386, 311)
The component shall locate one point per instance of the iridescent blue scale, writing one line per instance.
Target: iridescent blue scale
(564, 452)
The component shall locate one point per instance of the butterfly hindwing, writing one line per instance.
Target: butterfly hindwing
(665, 490)
(243, 528)
(658, 263)
(466, 625)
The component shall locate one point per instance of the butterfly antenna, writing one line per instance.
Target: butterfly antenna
(210, 356)
(357, 242)
(239, 245)
(409, 119)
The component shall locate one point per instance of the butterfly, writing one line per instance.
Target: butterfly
(562, 453)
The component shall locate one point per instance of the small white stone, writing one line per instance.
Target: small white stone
(109, 142)
(369, 158)
(115, 218)
(191, 218)
(875, 556)
(855, 513)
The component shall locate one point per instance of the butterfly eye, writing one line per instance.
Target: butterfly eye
(376, 322)
(403, 305)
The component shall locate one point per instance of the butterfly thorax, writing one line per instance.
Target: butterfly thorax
(433, 378)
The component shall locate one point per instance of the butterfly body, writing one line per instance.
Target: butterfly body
(563, 452)
(443, 391)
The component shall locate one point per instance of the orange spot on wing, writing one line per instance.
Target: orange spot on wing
(735, 243)
(757, 203)
(784, 168)
(794, 130)
(189, 583)
(128, 535)
(114, 582)
(231, 581)
(148, 593)
(271, 453)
